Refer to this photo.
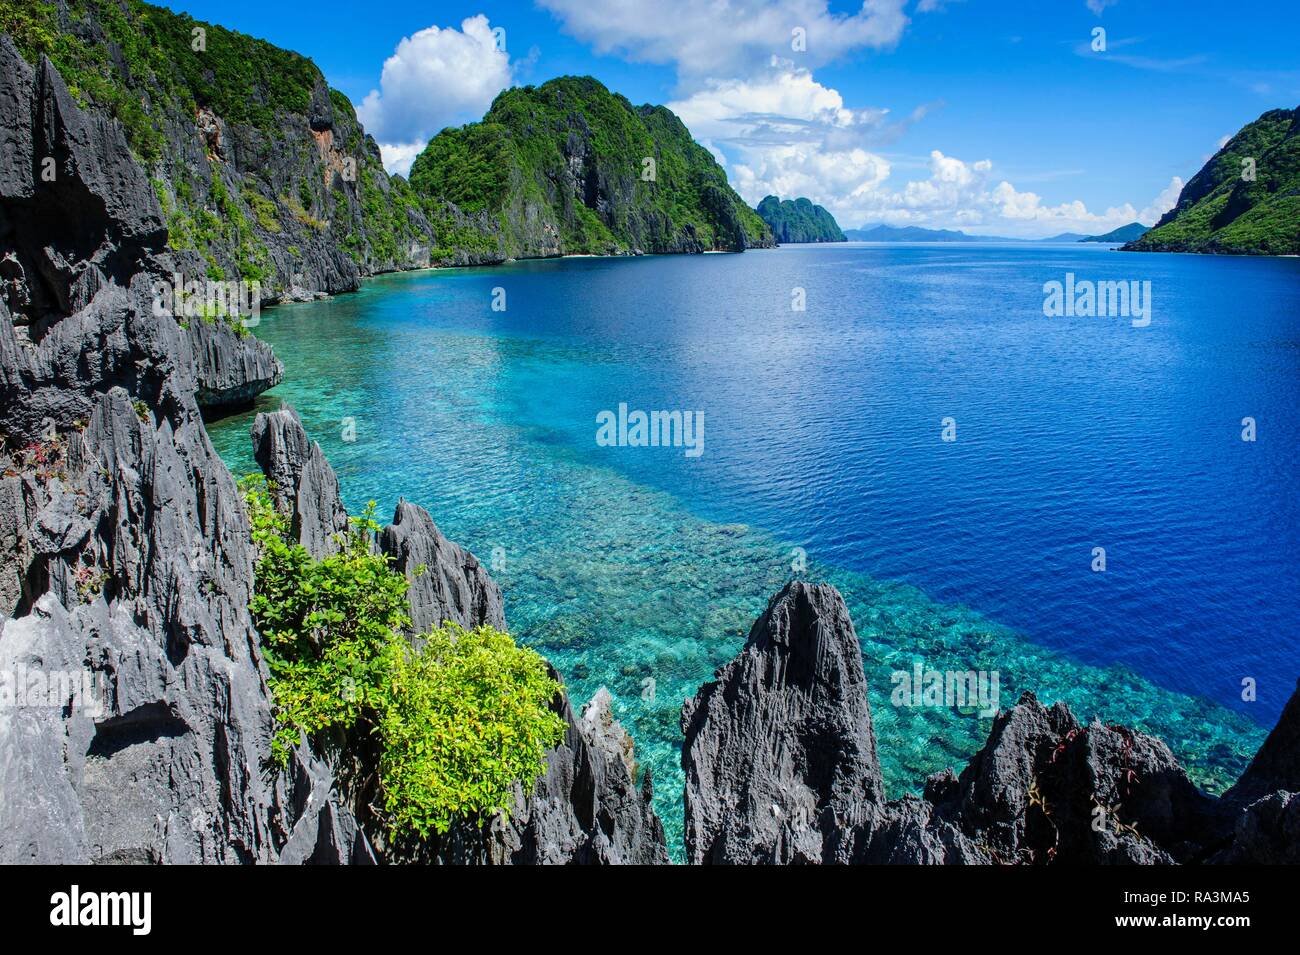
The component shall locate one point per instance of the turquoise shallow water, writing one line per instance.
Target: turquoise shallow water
(641, 569)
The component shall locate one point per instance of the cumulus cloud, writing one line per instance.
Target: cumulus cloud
(435, 78)
(785, 105)
(1162, 203)
(728, 37)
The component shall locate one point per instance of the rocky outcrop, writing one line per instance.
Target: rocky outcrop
(302, 483)
(780, 763)
(230, 368)
(78, 212)
(447, 582)
(137, 722)
(780, 757)
(584, 809)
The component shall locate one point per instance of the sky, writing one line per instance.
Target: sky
(999, 117)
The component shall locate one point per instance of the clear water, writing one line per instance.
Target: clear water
(823, 432)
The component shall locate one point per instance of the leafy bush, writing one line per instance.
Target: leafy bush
(460, 719)
(465, 716)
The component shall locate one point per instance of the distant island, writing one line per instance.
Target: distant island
(1244, 201)
(1125, 233)
(798, 220)
(911, 233)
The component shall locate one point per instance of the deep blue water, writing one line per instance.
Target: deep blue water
(823, 432)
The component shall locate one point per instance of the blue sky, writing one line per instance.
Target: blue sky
(990, 116)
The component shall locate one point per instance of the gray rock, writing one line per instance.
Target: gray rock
(1267, 832)
(1277, 764)
(78, 210)
(128, 561)
(585, 808)
(303, 484)
(447, 582)
(787, 724)
(230, 369)
(779, 753)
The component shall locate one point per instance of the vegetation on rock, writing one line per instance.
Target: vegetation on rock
(460, 716)
(569, 167)
(1244, 201)
(798, 220)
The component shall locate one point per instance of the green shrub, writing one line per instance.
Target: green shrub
(459, 720)
(326, 625)
(466, 716)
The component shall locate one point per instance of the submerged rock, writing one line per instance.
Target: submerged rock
(780, 763)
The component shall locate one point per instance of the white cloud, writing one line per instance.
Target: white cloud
(1099, 6)
(398, 157)
(435, 78)
(784, 105)
(728, 37)
(1162, 203)
(789, 135)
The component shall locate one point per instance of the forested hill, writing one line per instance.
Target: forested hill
(798, 220)
(569, 167)
(264, 173)
(1246, 199)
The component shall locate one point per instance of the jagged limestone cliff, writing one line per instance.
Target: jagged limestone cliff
(781, 767)
(263, 172)
(569, 167)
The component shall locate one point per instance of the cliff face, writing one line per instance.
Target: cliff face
(798, 220)
(262, 173)
(781, 767)
(258, 169)
(1244, 201)
(570, 167)
(136, 722)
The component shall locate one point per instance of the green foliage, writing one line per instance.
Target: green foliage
(1220, 211)
(465, 718)
(327, 625)
(460, 719)
(266, 211)
(798, 220)
(467, 166)
(567, 159)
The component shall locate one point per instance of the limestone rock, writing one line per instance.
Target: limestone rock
(451, 583)
(779, 754)
(303, 484)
